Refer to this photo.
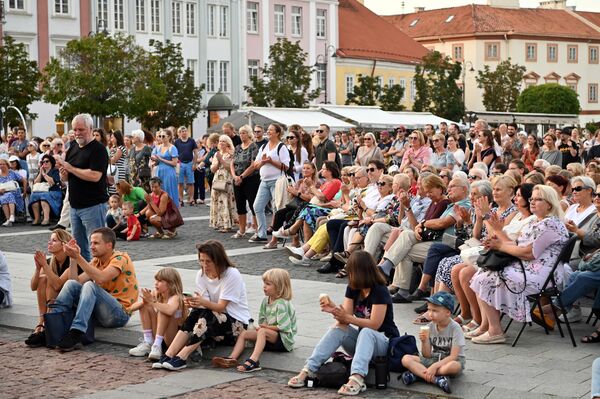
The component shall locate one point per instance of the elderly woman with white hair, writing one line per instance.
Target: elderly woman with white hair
(368, 151)
(139, 161)
(537, 248)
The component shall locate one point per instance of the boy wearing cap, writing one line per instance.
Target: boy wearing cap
(442, 346)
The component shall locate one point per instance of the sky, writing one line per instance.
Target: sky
(386, 7)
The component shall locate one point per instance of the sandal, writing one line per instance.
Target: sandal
(156, 236)
(270, 246)
(239, 234)
(592, 338)
(249, 366)
(421, 320)
(462, 321)
(342, 256)
(343, 273)
(297, 382)
(349, 389)
(224, 362)
(470, 326)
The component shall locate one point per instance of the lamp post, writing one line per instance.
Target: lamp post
(464, 76)
(330, 51)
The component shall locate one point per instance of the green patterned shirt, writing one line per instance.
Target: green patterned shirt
(280, 313)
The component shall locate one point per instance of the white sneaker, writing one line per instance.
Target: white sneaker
(297, 253)
(8, 223)
(250, 230)
(574, 315)
(143, 349)
(155, 352)
(281, 233)
(300, 262)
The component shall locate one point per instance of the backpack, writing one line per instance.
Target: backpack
(290, 169)
(335, 373)
(398, 347)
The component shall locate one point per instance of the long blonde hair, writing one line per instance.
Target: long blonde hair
(63, 236)
(280, 278)
(173, 279)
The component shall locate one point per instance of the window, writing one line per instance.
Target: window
(190, 18)
(413, 89)
(593, 55)
(321, 24)
(252, 17)
(16, 5)
(119, 16)
(572, 54)
(552, 55)
(140, 15)
(492, 51)
(449, 19)
(349, 84)
(457, 52)
(223, 73)
(414, 23)
(380, 81)
(210, 75)
(403, 85)
(252, 69)
(322, 76)
(211, 16)
(593, 93)
(176, 17)
(61, 7)
(279, 27)
(102, 22)
(155, 15)
(58, 49)
(531, 52)
(224, 25)
(572, 86)
(296, 21)
(391, 82)
(192, 65)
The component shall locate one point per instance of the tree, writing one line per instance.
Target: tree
(549, 98)
(501, 87)
(19, 79)
(391, 98)
(366, 92)
(285, 80)
(167, 90)
(96, 75)
(437, 91)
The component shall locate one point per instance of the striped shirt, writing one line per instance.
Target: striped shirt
(280, 313)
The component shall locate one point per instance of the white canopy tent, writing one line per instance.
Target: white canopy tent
(418, 120)
(362, 116)
(309, 119)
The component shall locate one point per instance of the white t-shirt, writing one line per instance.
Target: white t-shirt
(268, 171)
(459, 156)
(299, 162)
(578, 217)
(230, 287)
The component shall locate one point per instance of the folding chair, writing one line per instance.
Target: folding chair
(550, 290)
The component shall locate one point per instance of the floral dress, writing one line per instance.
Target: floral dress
(12, 197)
(223, 213)
(389, 209)
(547, 238)
(444, 270)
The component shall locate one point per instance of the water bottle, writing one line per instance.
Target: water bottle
(381, 371)
(251, 327)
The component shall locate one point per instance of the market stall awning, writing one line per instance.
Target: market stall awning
(309, 119)
(364, 117)
(418, 120)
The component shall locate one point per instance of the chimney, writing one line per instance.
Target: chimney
(503, 3)
(554, 4)
(419, 9)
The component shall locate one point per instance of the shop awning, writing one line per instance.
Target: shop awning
(418, 120)
(364, 117)
(309, 119)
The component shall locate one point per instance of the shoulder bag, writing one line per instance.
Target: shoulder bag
(57, 324)
(40, 187)
(172, 217)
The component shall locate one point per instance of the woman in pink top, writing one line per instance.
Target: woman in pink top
(418, 154)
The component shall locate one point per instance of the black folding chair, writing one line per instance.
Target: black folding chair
(550, 290)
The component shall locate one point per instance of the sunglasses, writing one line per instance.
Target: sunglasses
(319, 130)
(367, 138)
(46, 161)
(579, 188)
(351, 174)
(291, 137)
(161, 136)
(371, 170)
(473, 177)
(381, 183)
(413, 137)
(596, 195)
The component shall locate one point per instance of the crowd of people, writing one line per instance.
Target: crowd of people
(403, 215)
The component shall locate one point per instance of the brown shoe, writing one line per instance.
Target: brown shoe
(224, 362)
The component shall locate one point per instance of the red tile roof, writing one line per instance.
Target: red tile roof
(365, 35)
(482, 19)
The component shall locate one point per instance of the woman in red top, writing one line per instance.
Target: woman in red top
(531, 153)
(320, 204)
(156, 207)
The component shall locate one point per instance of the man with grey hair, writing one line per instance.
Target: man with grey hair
(84, 168)
(410, 246)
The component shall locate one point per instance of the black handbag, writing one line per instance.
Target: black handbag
(495, 260)
(431, 235)
(57, 324)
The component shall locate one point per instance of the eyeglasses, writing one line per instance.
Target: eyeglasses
(319, 130)
(381, 183)
(532, 200)
(579, 188)
(371, 170)
(413, 137)
(473, 177)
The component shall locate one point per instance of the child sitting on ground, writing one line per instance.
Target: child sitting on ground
(114, 215)
(443, 346)
(134, 228)
(276, 324)
(161, 311)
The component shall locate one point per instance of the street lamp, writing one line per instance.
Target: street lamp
(330, 51)
(464, 75)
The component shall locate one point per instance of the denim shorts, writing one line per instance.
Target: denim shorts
(186, 173)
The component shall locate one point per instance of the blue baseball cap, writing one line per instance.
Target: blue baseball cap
(442, 298)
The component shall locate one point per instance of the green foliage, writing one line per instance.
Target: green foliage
(285, 80)
(19, 79)
(95, 74)
(549, 98)
(391, 98)
(437, 91)
(167, 89)
(592, 126)
(366, 92)
(501, 86)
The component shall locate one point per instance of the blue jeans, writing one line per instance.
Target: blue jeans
(363, 346)
(90, 300)
(596, 378)
(580, 283)
(83, 222)
(266, 191)
(186, 173)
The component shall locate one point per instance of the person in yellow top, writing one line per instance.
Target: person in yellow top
(105, 290)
